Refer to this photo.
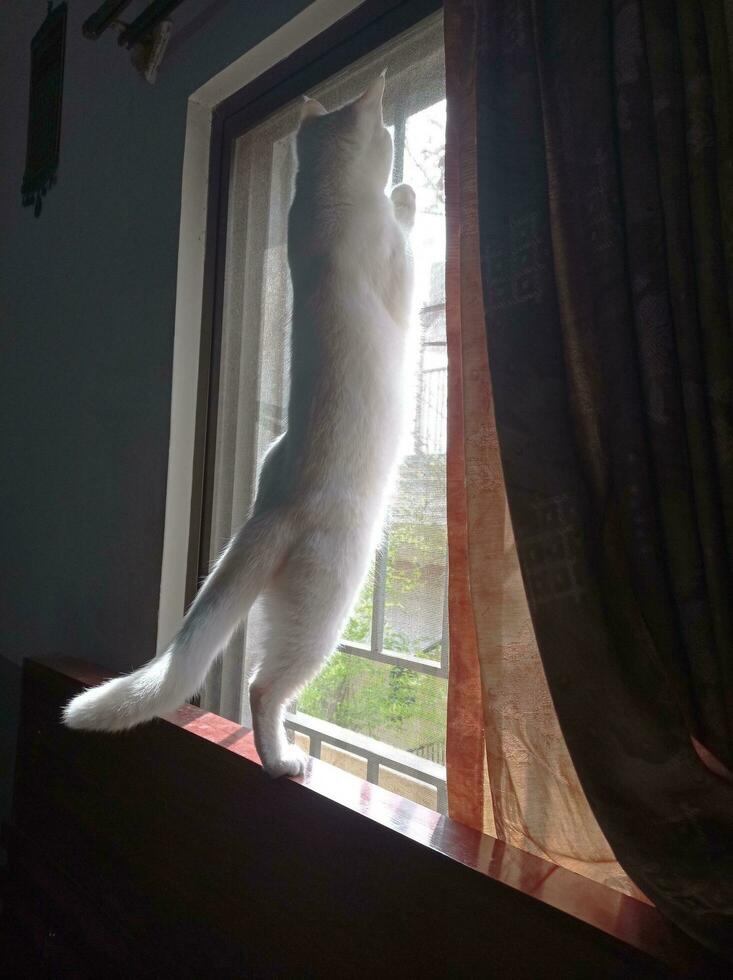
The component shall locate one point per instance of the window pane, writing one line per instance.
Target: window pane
(402, 605)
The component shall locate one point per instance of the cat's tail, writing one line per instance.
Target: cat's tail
(164, 683)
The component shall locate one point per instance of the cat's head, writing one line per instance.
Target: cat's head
(352, 138)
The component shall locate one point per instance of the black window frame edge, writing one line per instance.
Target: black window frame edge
(370, 25)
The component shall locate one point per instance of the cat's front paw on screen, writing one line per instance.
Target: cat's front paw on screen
(405, 204)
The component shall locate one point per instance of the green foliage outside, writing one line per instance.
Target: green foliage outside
(393, 704)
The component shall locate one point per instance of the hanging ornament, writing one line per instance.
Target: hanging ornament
(44, 110)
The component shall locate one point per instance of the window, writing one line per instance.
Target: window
(378, 708)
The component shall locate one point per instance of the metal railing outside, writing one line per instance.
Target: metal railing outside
(376, 754)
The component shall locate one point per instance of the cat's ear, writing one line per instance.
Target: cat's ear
(310, 108)
(374, 94)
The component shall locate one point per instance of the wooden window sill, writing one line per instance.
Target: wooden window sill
(173, 833)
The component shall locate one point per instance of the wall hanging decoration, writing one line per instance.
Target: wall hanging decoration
(44, 109)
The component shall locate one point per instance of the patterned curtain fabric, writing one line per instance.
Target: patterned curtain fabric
(599, 221)
(509, 772)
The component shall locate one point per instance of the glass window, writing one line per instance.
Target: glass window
(378, 707)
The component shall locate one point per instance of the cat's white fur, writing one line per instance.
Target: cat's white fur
(322, 489)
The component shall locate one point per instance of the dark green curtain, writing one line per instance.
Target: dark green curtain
(605, 184)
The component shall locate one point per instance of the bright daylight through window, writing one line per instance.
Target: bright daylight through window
(378, 707)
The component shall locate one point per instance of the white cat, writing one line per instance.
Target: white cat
(322, 489)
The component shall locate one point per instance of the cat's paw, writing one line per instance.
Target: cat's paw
(290, 763)
(405, 204)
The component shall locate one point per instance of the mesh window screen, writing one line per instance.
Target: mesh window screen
(388, 680)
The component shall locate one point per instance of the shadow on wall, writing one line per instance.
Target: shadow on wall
(9, 712)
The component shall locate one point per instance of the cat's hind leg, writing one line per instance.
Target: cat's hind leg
(305, 609)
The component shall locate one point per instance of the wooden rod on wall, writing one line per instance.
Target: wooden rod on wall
(147, 21)
(97, 23)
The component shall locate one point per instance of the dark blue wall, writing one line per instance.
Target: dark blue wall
(87, 295)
